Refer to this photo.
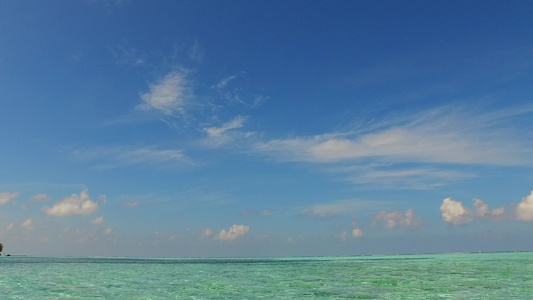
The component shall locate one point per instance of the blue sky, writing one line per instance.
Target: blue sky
(252, 128)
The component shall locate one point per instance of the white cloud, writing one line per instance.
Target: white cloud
(267, 212)
(130, 203)
(127, 56)
(99, 220)
(290, 240)
(103, 198)
(28, 224)
(225, 81)
(233, 233)
(169, 95)
(483, 211)
(416, 178)
(108, 231)
(343, 236)
(217, 136)
(357, 232)
(237, 122)
(6, 197)
(10, 226)
(40, 197)
(439, 136)
(196, 53)
(397, 218)
(524, 209)
(259, 100)
(337, 208)
(207, 232)
(454, 212)
(122, 156)
(150, 154)
(72, 205)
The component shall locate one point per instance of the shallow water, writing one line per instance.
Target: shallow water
(439, 276)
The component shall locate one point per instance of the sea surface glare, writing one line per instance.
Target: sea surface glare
(436, 276)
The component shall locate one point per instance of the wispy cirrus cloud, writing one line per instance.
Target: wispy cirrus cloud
(419, 178)
(216, 132)
(337, 208)
(98, 220)
(227, 132)
(237, 94)
(119, 156)
(130, 203)
(419, 150)
(196, 52)
(169, 95)
(225, 81)
(127, 56)
(40, 197)
(442, 135)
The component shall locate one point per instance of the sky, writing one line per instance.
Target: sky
(265, 128)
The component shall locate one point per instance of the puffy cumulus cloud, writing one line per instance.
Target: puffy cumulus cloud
(483, 210)
(72, 205)
(207, 232)
(6, 197)
(233, 233)
(454, 212)
(40, 197)
(28, 224)
(524, 209)
(99, 220)
(169, 95)
(357, 232)
(397, 218)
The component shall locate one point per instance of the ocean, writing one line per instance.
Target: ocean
(431, 276)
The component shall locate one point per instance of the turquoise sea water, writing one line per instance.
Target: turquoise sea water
(438, 276)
